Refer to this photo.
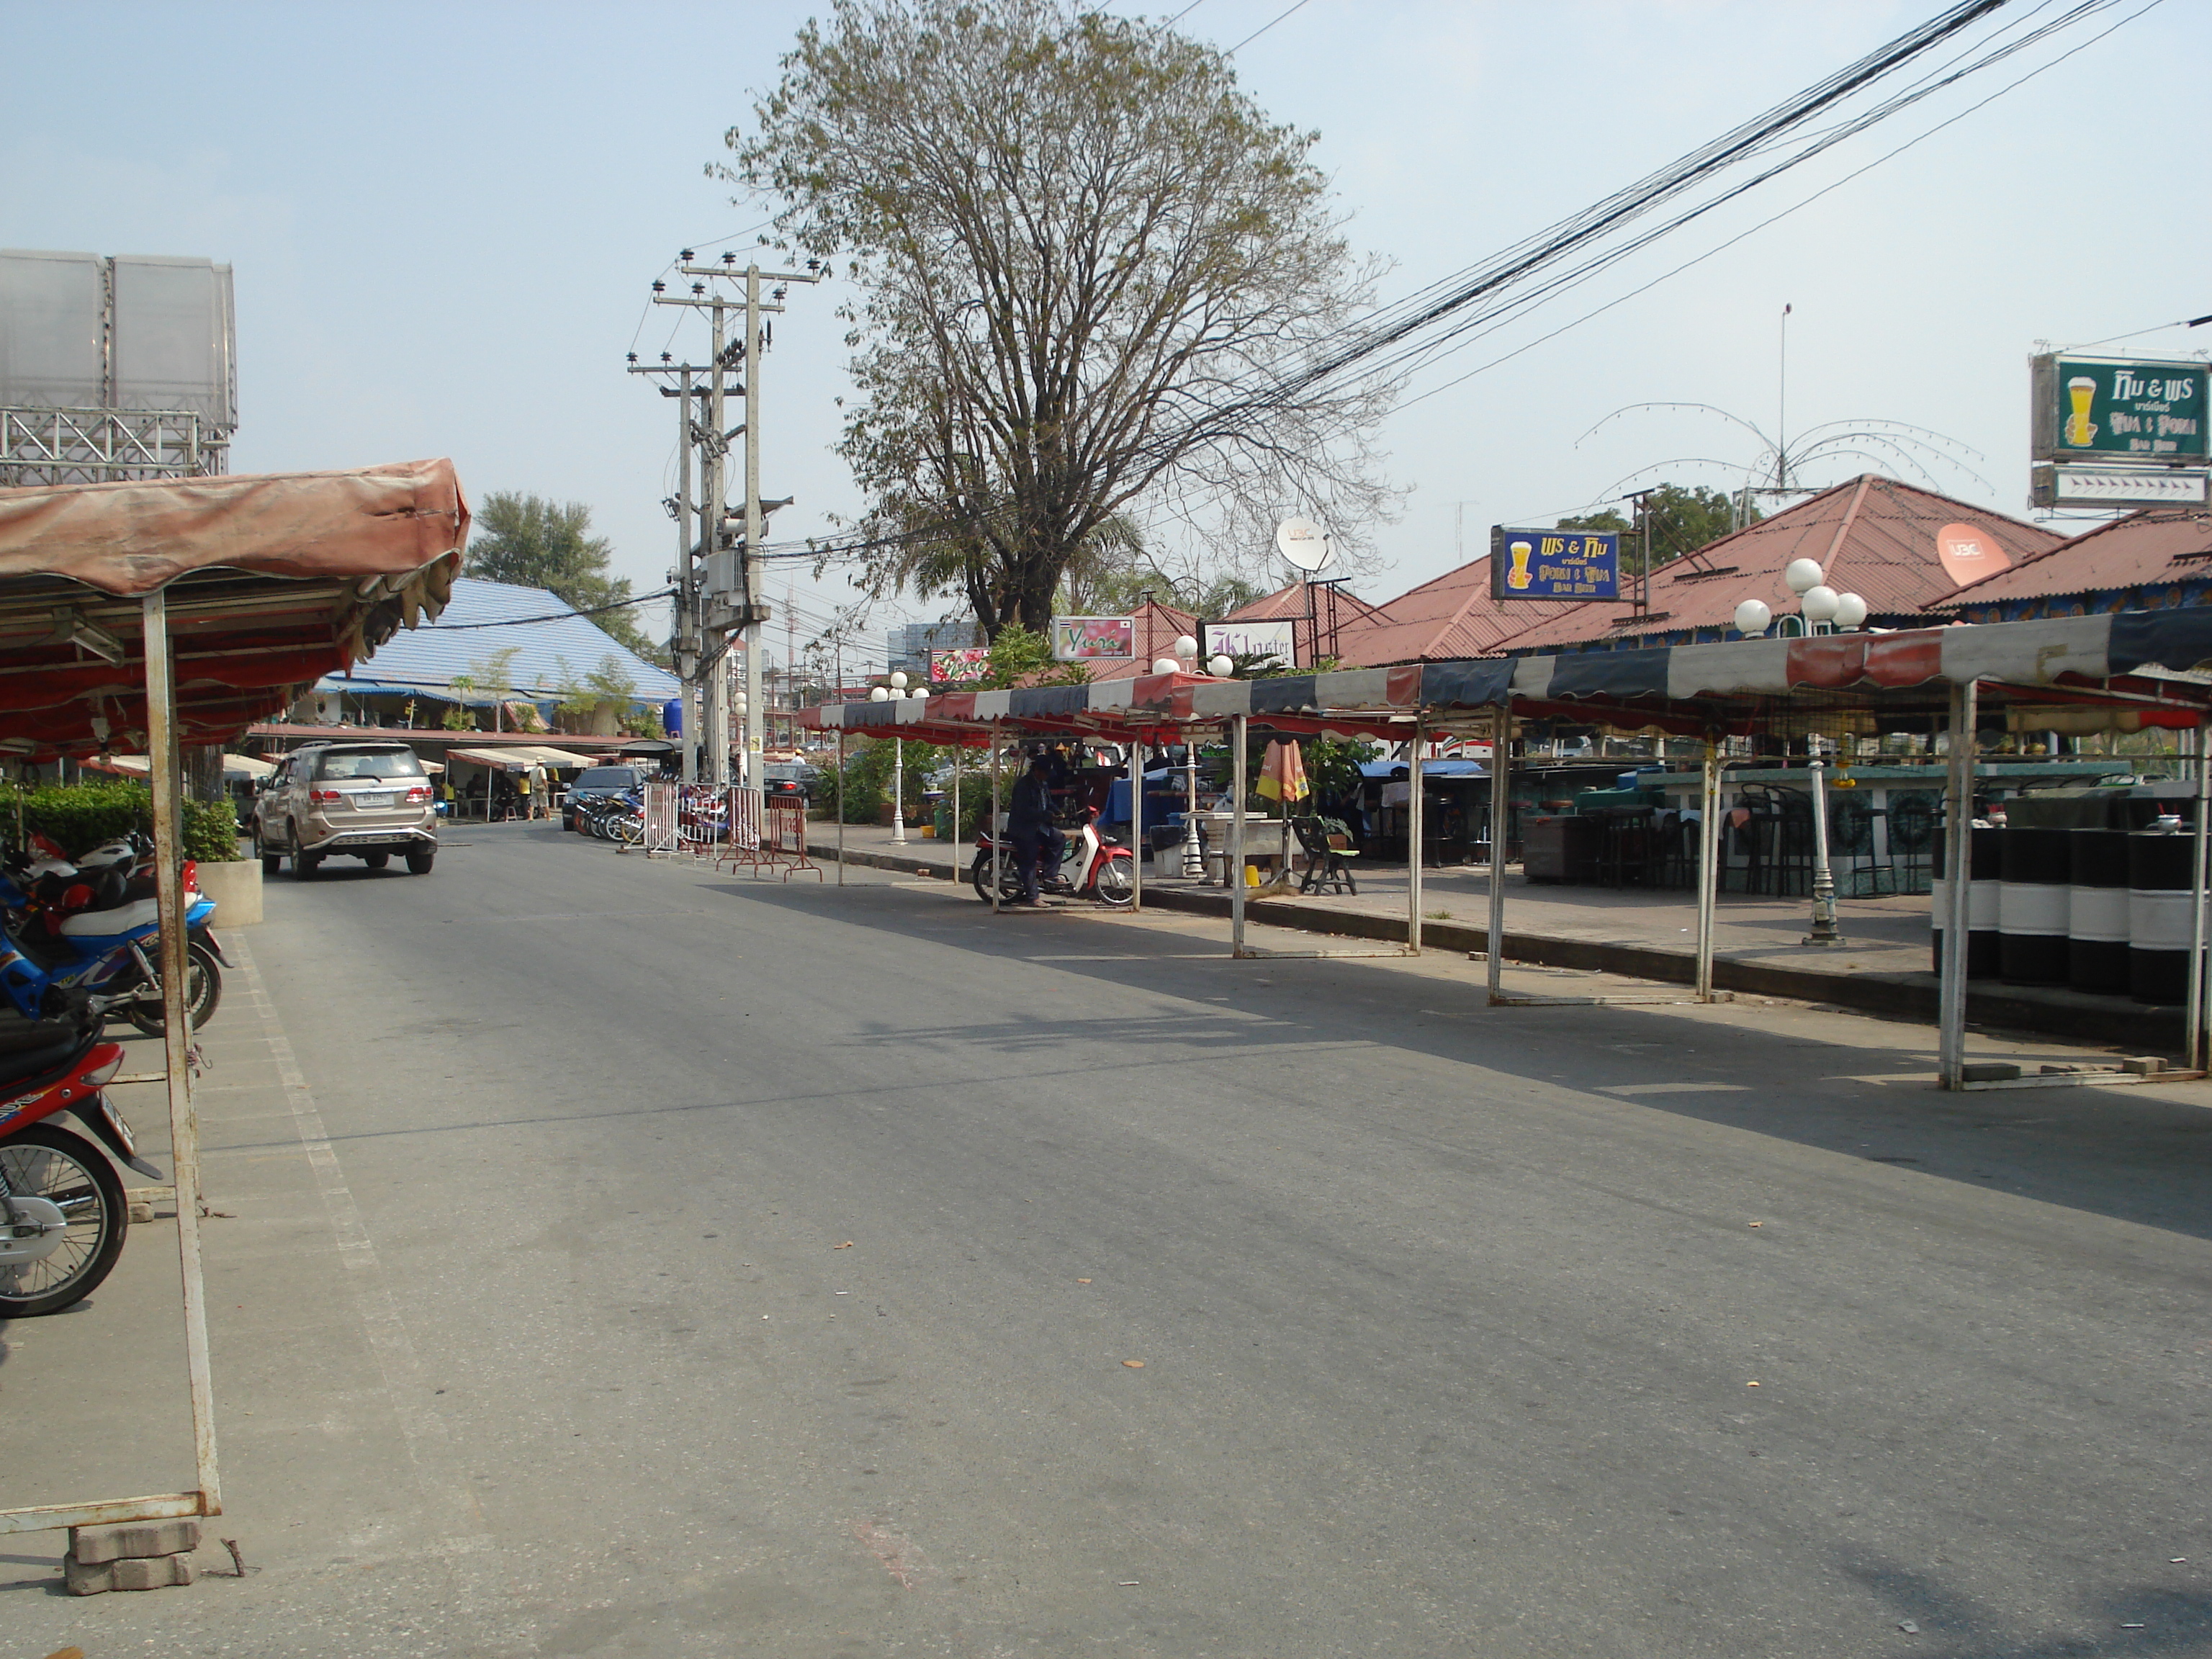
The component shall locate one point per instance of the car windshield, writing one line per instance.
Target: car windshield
(789, 772)
(607, 777)
(379, 764)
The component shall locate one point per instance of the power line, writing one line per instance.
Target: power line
(1256, 33)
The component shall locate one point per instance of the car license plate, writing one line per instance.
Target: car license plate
(365, 801)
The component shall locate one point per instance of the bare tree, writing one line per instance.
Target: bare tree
(1080, 252)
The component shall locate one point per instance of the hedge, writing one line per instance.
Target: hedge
(79, 816)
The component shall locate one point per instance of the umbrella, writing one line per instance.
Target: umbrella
(1283, 774)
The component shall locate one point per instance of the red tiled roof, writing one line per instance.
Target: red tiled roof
(1440, 621)
(1329, 603)
(1871, 536)
(2159, 544)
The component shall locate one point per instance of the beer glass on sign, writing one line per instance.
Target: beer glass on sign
(2080, 390)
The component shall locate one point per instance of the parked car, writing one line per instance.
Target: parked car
(596, 783)
(783, 780)
(364, 801)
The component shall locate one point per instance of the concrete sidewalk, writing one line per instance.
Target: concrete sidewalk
(1884, 966)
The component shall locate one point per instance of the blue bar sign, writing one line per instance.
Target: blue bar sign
(1554, 564)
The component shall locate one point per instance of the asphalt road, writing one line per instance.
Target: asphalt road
(637, 1260)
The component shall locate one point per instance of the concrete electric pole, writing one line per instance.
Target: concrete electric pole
(731, 596)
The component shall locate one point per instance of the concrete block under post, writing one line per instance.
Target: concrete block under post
(130, 1573)
(139, 1539)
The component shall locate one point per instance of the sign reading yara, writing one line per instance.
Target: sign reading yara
(1554, 564)
(2111, 407)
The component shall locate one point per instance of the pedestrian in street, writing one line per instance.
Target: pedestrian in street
(522, 785)
(1030, 827)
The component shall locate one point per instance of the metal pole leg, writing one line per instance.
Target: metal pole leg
(1414, 818)
(1709, 866)
(841, 806)
(1501, 749)
(998, 832)
(1236, 836)
(162, 763)
(1136, 826)
(1958, 866)
(2193, 1047)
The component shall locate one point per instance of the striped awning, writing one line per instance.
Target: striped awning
(2133, 657)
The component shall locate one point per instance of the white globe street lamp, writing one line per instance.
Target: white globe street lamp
(880, 694)
(1166, 665)
(1850, 610)
(1752, 617)
(1819, 603)
(1802, 574)
(898, 680)
(1219, 666)
(1185, 646)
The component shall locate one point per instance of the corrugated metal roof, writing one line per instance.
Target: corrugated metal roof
(2144, 549)
(551, 655)
(1871, 536)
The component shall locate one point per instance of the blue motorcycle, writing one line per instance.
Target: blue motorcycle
(55, 939)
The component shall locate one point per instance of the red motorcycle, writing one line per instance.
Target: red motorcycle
(63, 1214)
(1091, 865)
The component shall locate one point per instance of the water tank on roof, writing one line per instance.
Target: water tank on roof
(671, 717)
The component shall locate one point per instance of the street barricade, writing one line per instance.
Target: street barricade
(785, 844)
(660, 818)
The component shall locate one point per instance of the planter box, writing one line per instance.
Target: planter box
(236, 890)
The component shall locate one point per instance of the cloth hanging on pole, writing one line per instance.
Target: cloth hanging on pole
(1283, 774)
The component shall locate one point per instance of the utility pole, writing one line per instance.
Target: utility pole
(688, 643)
(734, 596)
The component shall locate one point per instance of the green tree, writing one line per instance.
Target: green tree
(529, 541)
(1081, 249)
(1684, 518)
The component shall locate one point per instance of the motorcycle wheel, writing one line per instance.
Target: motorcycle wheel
(978, 876)
(66, 1169)
(630, 830)
(1116, 883)
(203, 994)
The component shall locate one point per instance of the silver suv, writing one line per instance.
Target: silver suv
(365, 801)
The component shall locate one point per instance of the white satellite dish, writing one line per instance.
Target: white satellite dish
(1304, 543)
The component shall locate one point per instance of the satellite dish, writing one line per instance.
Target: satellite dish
(1304, 543)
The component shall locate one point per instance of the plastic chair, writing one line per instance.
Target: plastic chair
(1327, 847)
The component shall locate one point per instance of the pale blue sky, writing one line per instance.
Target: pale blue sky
(444, 219)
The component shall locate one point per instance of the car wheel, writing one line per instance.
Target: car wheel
(269, 861)
(376, 861)
(304, 865)
(418, 864)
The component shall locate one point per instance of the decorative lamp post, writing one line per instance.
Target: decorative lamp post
(1166, 665)
(1753, 618)
(1824, 882)
(898, 769)
(1851, 613)
(1186, 647)
(1220, 666)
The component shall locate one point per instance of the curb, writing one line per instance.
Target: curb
(2116, 1021)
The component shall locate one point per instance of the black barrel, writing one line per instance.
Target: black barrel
(2158, 915)
(1984, 880)
(2097, 910)
(2032, 903)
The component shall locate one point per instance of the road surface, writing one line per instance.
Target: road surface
(623, 1258)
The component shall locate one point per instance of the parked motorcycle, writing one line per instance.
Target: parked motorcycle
(1091, 865)
(63, 1214)
(95, 927)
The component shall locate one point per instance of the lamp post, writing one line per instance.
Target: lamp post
(898, 769)
(1824, 882)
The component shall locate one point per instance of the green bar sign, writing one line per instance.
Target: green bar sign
(2114, 409)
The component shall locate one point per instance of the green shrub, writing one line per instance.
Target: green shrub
(78, 817)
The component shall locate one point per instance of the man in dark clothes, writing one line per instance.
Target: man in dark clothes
(1030, 826)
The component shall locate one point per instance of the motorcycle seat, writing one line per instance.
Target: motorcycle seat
(32, 1065)
(123, 918)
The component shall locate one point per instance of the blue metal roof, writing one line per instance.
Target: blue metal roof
(551, 654)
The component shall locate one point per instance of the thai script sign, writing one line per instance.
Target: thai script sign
(1554, 564)
(2113, 408)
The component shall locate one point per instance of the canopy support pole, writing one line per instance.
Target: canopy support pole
(1709, 864)
(1236, 835)
(998, 828)
(1136, 825)
(1501, 749)
(2194, 1045)
(957, 749)
(841, 806)
(1958, 865)
(1414, 816)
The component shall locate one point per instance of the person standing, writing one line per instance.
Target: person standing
(1030, 826)
(522, 785)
